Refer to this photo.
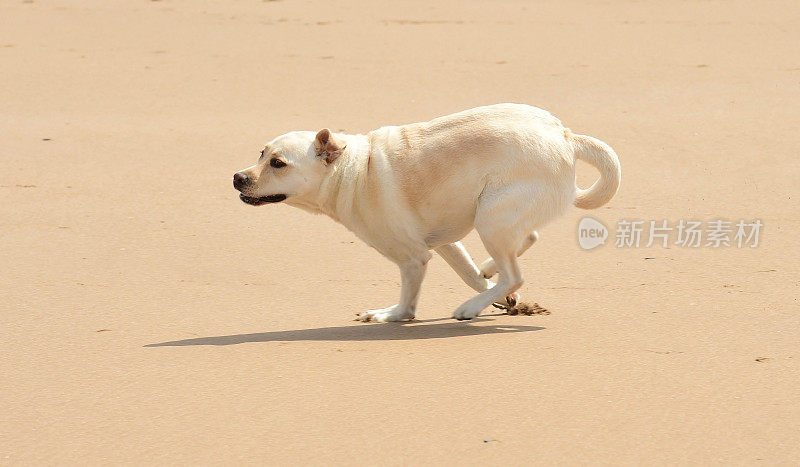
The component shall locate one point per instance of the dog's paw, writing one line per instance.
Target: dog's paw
(488, 268)
(466, 311)
(511, 302)
(385, 315)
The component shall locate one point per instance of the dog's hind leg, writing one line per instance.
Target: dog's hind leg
(506, 214)
(412, 271)
(459, 259)
(488, 268)
(509, 281)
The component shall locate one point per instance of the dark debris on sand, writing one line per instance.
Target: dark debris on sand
(527, 309)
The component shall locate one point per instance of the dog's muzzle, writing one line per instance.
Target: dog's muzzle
(242, 181)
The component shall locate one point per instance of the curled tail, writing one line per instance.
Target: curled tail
(604, 159)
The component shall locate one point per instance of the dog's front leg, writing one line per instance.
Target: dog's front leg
(457, 257)
(412, 272)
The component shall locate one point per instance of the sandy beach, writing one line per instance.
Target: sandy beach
(150, 317)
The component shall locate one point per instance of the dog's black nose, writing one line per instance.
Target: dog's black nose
(239, 180)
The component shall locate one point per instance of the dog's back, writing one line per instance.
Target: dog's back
(449, 160)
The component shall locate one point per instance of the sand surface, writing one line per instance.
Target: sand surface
(122, 122)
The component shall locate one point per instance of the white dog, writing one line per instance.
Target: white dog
(504, 170)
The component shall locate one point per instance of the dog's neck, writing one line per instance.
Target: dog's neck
(340, 193)
(360, 193)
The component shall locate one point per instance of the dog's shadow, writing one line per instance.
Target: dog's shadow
(364, 332)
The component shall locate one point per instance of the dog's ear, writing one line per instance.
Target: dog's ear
(328, 145)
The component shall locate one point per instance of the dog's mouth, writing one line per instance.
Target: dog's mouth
(262, 200)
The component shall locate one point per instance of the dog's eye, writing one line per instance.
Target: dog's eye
(276, 163)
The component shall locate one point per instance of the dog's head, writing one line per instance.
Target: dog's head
(290, 166)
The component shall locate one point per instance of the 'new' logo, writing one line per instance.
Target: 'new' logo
(591, 233)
